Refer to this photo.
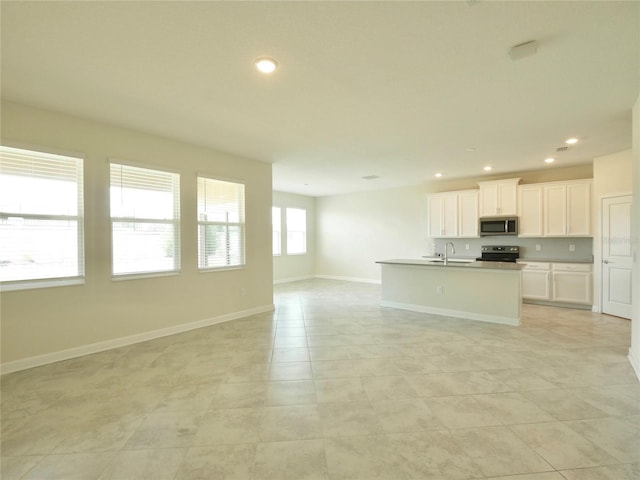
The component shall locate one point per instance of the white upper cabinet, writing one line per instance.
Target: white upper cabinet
(468, 213)
(530, 210)
(499, 197)
(567, 209)
(443, 211)
(579, 209)
(555, 210)
(453, 214)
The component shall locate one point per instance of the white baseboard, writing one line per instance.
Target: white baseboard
(293, 279)
(349, 279)
(327, 277)
(74, 352)
(452, 313)
(634, 360)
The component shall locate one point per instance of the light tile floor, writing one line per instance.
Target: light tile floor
(332, 386)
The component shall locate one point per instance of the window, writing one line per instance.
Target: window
(220, 223)
(276, 222)
(296, 231)
(41, 223)
(145, 220)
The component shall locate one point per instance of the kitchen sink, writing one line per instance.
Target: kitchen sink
(451, 260)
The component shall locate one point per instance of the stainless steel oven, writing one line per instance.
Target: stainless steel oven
(500, 253)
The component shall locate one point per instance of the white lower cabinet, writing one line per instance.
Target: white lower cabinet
(557, 282)
(536, 279)
(572, 283)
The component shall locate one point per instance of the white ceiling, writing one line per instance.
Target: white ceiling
(395, 89)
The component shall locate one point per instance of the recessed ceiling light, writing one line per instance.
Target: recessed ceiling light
(549, 160)
(438, 175)
(571, 141)
(266, 64)
(488, 168)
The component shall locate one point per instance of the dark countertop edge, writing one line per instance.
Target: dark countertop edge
(504, 266)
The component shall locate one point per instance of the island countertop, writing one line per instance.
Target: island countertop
(452, 263)
(458, 289)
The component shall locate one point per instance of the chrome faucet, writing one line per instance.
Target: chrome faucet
(446, 250)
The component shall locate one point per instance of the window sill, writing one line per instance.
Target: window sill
(221, 269)
(44, 283)
(140, 276)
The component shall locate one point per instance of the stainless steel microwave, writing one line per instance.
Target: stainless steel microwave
(498, 226)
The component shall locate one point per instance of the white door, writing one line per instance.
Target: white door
(616, 256)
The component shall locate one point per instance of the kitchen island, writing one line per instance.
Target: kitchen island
(485, 291)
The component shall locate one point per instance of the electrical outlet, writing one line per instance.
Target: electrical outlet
(439, 289)
(466, 246)
(538, 247)
(572, 247)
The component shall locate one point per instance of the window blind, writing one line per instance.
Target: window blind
(145, 220)
(41, 216)
(221, 223)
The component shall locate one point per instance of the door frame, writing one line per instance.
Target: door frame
(598, 249)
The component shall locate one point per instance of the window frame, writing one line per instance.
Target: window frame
(278, 231)
(175, 221)
(58, 281)
(241, 225)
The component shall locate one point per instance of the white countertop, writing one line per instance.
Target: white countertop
(452, 264)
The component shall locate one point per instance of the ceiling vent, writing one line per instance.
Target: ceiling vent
(523, 50)
(562, 149)
(370, 177)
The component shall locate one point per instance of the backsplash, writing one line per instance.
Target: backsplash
(550, 248)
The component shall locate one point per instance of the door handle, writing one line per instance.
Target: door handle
(605, 261)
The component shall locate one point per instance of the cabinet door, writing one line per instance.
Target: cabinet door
(468, 214)
(507, 199)
(572, 287)
(489, 200)
(535, 284)
(579, 209)
(555, 210)
(530, 211)
(450, 214)
(434, 210)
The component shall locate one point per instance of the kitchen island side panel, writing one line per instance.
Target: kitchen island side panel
(490, 295)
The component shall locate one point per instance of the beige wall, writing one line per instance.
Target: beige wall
(295, 267)
(612, 175)
(634, 351)
(548, 174)
(47, 321)
(356, 230)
